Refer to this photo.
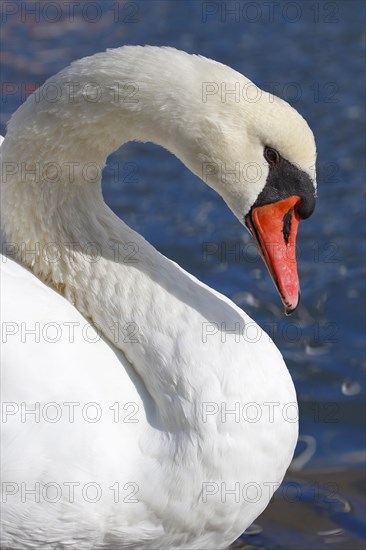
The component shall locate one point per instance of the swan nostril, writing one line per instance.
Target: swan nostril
(287, 224)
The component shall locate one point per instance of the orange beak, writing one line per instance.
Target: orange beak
(274, 228)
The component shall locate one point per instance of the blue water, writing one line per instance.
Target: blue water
(311, 54)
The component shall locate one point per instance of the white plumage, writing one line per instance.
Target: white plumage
(155, 375)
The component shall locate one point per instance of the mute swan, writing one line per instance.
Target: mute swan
(137, 410)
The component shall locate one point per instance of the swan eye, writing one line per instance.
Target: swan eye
(271, 156)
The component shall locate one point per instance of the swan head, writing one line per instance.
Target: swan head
(260, 157)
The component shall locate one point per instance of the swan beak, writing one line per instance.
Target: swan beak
(274, 228)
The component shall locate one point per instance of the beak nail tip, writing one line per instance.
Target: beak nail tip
(289, 309)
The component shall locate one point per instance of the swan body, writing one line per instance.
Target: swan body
(135, 358)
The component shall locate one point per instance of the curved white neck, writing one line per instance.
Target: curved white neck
(61, 228)
(56, 222)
